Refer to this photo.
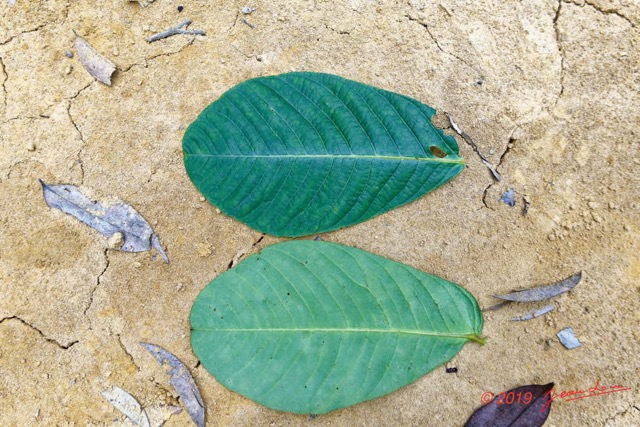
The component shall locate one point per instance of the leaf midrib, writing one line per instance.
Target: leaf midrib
(331, 156)
(340, 330)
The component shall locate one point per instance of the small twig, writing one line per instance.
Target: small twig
(533, 314)
(178, 29)
(473, 145)
(244, 21)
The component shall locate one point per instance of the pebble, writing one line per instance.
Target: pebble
(31, 146)
(594, 205)
(137, 264)
(217, 210)
(115, 51)
(202, 199)
(68, 70)
(551, 237)
(115, 241)
(68, 54)
(145, 27)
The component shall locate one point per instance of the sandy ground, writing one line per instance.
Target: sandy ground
(549, 90)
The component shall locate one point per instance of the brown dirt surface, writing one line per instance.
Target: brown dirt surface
(548, 90)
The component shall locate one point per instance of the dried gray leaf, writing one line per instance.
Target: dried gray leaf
(128, 405)
(568, 339)
(509, 197)
(178, 29)
(181, 381)
(97, 65)
(544, 292)
(11, 2)
(534, 313)
(108, 220)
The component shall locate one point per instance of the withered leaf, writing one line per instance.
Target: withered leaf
(97, 65)
(568, 338)
(128, 405)
(544, 292)
(528, 405)
(106, 219)
(181, 381)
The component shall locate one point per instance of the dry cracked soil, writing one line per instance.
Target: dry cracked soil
(547, 89)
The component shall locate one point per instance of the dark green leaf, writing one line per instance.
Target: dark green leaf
(305, 153)
(310, 326)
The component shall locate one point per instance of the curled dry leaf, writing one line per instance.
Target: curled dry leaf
(528, 405)
(128, 405)
(568, 339)
(97, 65)
(181, 381)
(544, 292)
(108, 220)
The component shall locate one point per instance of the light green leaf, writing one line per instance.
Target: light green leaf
(309, 327)
(303, 153)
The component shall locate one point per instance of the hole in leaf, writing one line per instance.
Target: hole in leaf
(437, 151)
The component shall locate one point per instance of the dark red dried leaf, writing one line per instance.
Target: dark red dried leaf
(509, 408)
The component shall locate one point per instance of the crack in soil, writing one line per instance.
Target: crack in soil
(558, 37)
(124, 348)
(75, 125)
(437, 43)
(475, 148)
(604, 11)
(619, 413)
(506, 151)
(4, 80)
(240, 254)
(146, 60)
(51, 340)
(98, 279)
(10, 39)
